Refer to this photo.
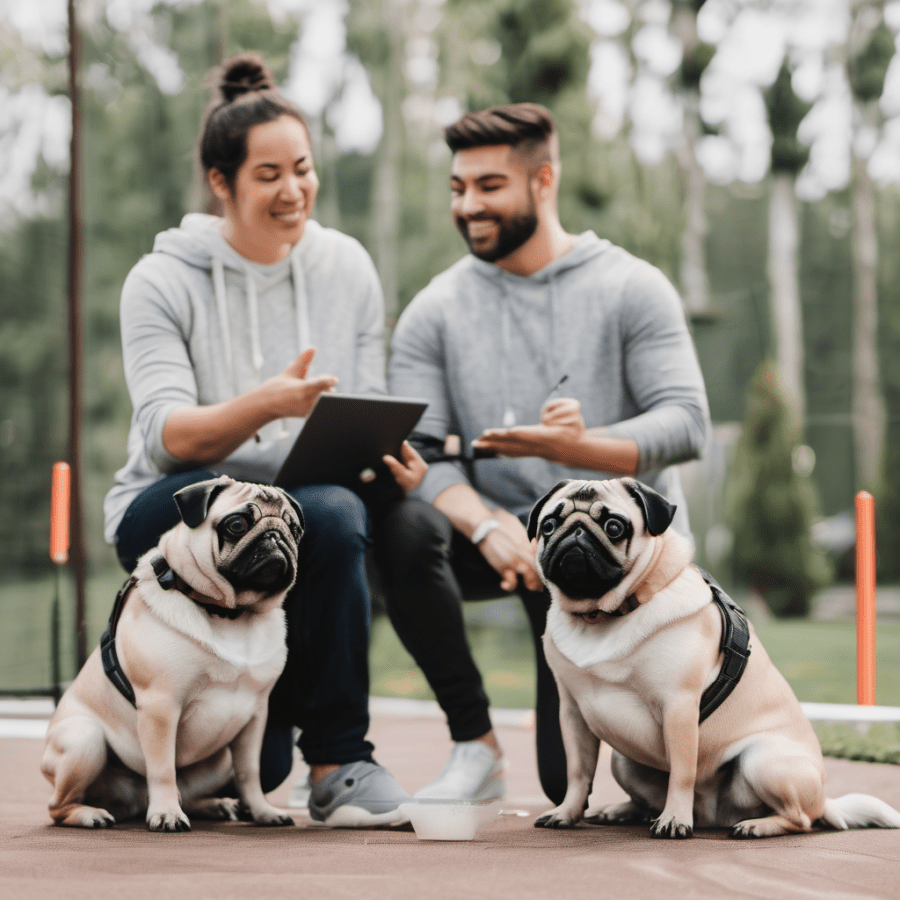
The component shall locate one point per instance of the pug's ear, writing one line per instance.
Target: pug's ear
(194, 501)
(297, 509)
(536, 509)
(658, 512)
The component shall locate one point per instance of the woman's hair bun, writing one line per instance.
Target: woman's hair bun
(244, 74)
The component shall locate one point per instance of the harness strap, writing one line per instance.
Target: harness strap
(168, 581)
(108, 654)
(735, 646)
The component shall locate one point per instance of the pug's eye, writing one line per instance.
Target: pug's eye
(235, 527)
(614, 528)
(548, 526)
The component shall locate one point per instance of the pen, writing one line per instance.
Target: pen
(558, 385)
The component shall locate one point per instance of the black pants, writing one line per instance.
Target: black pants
(428, 569)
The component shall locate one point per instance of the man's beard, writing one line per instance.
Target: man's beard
(512, 232)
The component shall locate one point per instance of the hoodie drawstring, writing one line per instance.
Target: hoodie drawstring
(301, 320)
(253, 315)
(218, 276)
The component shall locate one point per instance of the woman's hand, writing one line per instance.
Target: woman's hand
(409, 471)
(293, 395)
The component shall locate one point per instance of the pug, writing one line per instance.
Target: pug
(172, 705)
(643, 646)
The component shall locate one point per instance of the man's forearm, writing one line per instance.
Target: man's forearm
(597, 451)
(465, 509)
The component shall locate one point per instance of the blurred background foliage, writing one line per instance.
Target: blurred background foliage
(424, 62)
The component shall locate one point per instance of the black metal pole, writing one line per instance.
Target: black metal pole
(75, 251)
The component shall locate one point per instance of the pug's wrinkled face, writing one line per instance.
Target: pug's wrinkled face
(589, 535)
(240, 537)
(257, 540)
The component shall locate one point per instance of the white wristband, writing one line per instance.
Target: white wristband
(483, 530)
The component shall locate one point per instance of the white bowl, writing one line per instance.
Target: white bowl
(449, 820)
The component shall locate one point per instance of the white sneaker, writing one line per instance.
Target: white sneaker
(473, 773)
(299, 796)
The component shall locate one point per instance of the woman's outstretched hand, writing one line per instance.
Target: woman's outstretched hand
(291, 393)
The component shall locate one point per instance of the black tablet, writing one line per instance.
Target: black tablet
(346, 434)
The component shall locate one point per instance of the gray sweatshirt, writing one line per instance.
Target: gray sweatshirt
(486, 348)
(202, 324)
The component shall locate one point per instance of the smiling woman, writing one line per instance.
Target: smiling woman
(218, 327)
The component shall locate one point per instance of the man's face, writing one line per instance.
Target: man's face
(492, 201)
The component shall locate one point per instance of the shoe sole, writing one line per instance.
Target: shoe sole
(349, 816)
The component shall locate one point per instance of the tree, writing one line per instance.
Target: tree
(696, 56)
(773, 502)
(788, 156)
(869, 52)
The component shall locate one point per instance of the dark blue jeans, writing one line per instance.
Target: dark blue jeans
(324, 689)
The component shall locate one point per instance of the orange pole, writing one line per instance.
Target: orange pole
(865, 598)
(59, 513)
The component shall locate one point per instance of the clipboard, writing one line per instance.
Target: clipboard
(346, 434)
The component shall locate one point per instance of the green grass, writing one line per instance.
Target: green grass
(817, 658)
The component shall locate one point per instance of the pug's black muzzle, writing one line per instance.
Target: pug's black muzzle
(580, 566)
(267, 564)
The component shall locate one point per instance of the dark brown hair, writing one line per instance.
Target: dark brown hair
(246, 95)
(527, 127)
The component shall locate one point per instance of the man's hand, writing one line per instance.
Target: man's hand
(563, 411)
(510, 553)
(561, 428)
(291, 393)
(408, 471)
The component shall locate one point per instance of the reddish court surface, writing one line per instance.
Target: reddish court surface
(510, 858)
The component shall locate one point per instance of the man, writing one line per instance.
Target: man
(562, 354)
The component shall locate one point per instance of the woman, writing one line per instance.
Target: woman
(218, 325)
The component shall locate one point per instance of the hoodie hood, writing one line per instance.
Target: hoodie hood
(587, 247)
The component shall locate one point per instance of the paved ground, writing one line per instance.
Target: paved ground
(509, 858)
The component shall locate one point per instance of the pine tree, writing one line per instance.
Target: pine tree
(773, 502)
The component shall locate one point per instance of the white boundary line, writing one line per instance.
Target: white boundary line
(28, 718)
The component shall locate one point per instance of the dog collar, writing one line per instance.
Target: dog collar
(629, 604)
(735, 648)
(170, 580)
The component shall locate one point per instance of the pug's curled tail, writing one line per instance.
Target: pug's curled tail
(859, 811)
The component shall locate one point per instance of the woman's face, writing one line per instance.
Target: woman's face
(274, 191)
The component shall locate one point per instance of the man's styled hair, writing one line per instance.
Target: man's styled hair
(526, 127)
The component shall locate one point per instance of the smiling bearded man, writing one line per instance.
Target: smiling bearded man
(490, 343)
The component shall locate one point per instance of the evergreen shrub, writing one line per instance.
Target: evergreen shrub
(772, 502)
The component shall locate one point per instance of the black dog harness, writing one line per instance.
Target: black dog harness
(168, 580)
(735, 648)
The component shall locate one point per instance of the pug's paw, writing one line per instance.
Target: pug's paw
(557, 818)
(669, 827)
(171, 820)
(628, 813)
(89, 817)
(271, 817)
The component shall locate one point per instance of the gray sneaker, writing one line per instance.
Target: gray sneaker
(358, 795)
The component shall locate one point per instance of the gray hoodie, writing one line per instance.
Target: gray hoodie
(486, 348)
(202, 324)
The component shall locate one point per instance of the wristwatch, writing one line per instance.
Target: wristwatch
(483, 530)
